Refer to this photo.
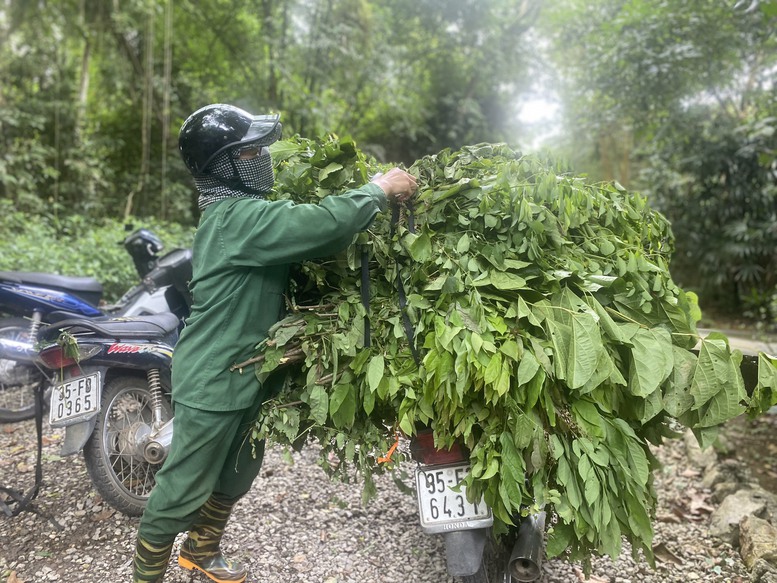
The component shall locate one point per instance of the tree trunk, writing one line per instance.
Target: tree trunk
(167, 76)
(147, 114)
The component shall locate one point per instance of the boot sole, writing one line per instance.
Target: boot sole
(187, 564)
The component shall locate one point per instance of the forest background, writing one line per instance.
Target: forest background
(674, 98)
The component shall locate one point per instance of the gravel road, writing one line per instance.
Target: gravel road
(297, 526)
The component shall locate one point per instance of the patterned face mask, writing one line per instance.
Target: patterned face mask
(256, 173)
(231, 177)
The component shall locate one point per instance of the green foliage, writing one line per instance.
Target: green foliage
(676, 99)
(552, 339)
(717, 181)
(78, 246)
(355, 66)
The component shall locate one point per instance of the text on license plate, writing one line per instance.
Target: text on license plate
(438, 503)
(75, 398)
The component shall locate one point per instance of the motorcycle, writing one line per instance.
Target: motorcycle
(31, 300)
(472, 553)
(111, 393)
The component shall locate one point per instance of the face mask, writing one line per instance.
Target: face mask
(256, 173)
(230, 177)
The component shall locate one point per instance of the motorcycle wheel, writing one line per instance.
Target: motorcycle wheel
(493, 568)
(115, 464)
(17, 380)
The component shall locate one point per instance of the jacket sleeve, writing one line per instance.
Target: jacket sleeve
(261, 233)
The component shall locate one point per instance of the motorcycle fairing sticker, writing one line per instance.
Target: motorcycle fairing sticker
(47, 296)
(120, 348)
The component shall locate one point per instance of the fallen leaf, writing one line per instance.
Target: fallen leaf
(104, 514)
(662, 553)
(698, 503)
(12, 578)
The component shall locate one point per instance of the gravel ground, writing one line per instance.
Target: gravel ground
(297, 526)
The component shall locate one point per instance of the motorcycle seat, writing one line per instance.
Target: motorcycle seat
(86, 287)
(152, 327)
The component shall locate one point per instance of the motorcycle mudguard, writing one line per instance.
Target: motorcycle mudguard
(464, 551)
(76, 436)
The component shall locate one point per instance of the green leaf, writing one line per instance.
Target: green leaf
(319, 404)
(503, 382)
(764, 395)
(324, 173)
(286, 333)
(493, 369)
(421, 248)
(512, 471)
(512, 349)
(559, 540)
(284, 149)
(730, 401)
(375, 372)
(652, 359)
(527, 368)
(576, 348)
(507, 281)
(712, 370)
(677, 392)
(342, 406)
(528, 332)
(588, 417)
(463, 244)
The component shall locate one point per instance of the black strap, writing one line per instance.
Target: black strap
(406, 324)
(365, 269)
(365, 285)
(17, 497)
(23, 502)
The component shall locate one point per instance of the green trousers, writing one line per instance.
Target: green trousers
(210, 452)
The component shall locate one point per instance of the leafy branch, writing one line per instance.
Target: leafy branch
(553, 342)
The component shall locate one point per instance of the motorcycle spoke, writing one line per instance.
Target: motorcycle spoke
(132, 472)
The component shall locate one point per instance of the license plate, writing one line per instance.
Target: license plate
(75, 399)
(443, 509)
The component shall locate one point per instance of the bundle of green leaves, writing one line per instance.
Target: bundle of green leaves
(541, 328)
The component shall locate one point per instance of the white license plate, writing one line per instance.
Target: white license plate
(443, 509)
(75, 399)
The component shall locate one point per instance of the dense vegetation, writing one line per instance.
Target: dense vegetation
(672, 98)
(80, 246)
(677, 100)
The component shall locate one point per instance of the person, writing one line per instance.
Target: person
(243, 248)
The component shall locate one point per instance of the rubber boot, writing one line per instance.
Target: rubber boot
(150, 561)
(200, 550)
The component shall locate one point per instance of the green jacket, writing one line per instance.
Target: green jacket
(242, 252)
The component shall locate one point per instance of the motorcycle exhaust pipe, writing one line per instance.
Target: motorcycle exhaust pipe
(526, 558)
(158, 444)
(18, 351)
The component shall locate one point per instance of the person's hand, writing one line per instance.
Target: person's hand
(397, 184)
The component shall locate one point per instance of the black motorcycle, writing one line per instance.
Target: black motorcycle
(111, 393)
(30, 300)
